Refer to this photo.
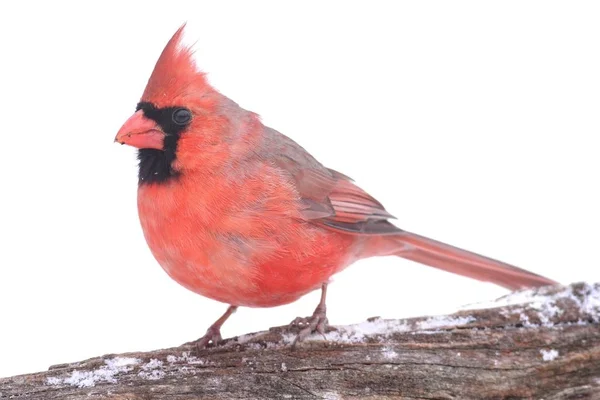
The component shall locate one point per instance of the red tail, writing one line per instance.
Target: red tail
(462, 262)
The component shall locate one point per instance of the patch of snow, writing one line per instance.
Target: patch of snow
(389, 353)
(247, 337)
(358, 332)
(427, 332)
(525, 320)
(184, 358)
(105, 373)
(171, 359)
(254, 346)
(152, 364)
(187, 370)
(152, 375)
(549, 355)
(509, 313)
(546, 304)
(352, 333)
(330, 396)
(119, 362)
(443, 321)
(283, 367)
(53, 380)
(591, 302)
(150, 370)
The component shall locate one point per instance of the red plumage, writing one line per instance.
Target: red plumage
(236, 211)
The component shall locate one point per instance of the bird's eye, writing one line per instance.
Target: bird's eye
(182, 116)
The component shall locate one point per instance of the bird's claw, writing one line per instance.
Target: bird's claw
(212, 336)
(315, 323)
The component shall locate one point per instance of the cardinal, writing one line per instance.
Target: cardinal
(238, 212)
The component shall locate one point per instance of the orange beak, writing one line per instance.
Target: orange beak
(141, 132)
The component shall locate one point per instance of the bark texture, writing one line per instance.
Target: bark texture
(541, 344)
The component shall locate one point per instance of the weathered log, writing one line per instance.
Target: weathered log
(540, 344)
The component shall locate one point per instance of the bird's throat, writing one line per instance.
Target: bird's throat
(156, 166)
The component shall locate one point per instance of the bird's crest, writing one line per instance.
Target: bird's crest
(175, 75)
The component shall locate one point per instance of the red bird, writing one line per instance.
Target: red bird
(236, 211)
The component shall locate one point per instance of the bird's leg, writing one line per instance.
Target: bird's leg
(315, 323)
(213, 334)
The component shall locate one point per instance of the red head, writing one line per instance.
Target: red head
(175, 77)
(181, 121)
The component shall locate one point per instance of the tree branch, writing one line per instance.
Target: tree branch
(535, 344)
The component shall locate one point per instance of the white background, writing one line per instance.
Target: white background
(475, 123)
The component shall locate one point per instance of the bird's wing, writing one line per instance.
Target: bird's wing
(328, 197)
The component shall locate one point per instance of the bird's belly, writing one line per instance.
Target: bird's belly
(218, 271)
(289, 283)
(242, 266)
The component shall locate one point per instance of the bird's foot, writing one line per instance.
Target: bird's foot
(212, 336)
(315, 323)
